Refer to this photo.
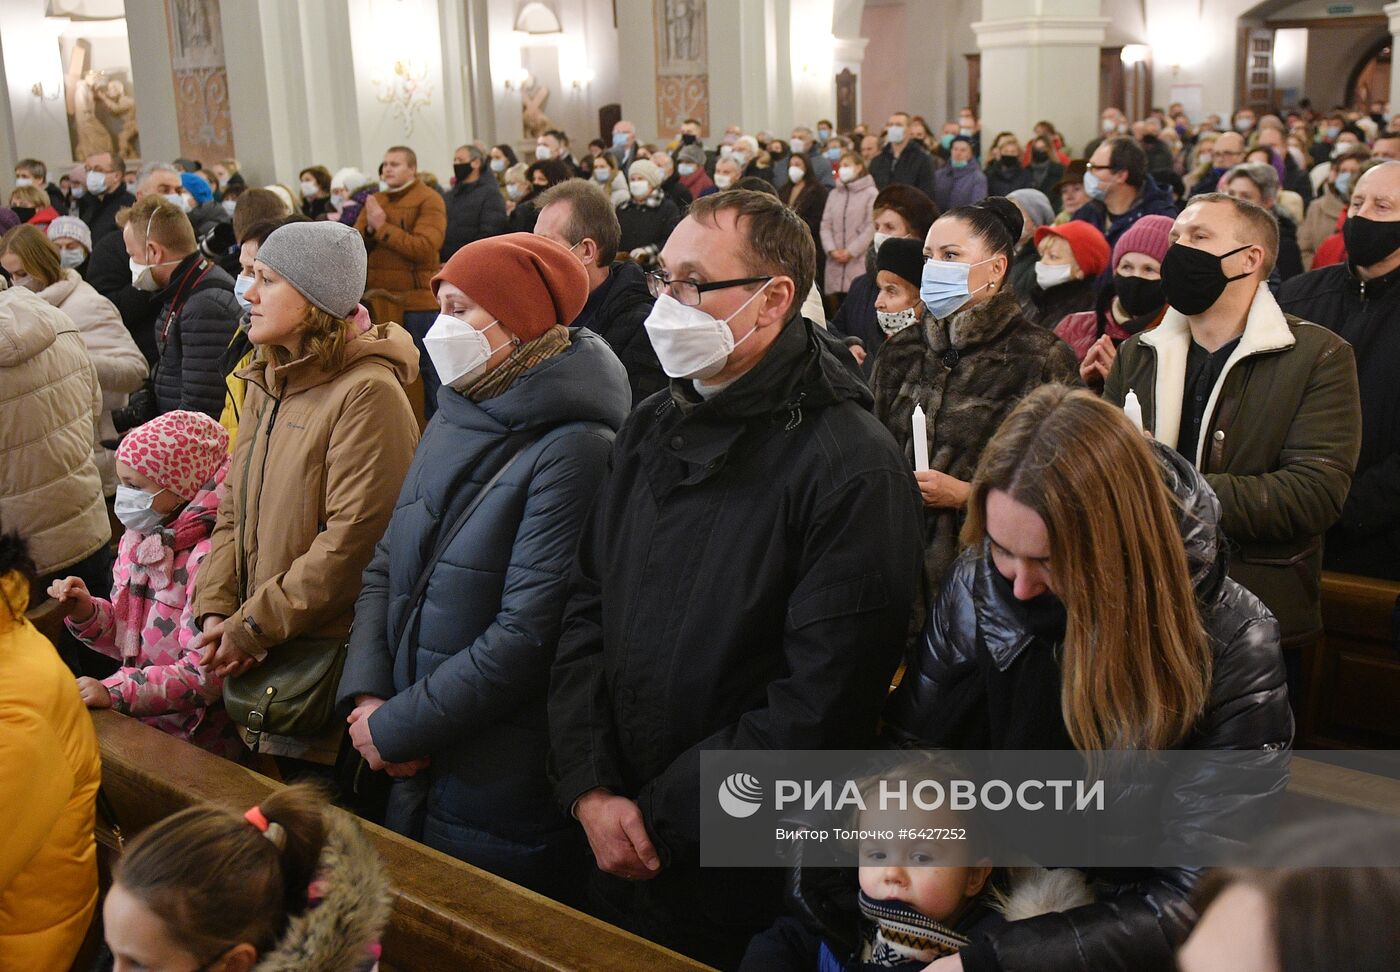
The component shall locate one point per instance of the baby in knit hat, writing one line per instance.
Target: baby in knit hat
(171, 472)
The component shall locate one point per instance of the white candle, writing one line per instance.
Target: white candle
(920, 440)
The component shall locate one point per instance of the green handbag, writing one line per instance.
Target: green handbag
(292, 691)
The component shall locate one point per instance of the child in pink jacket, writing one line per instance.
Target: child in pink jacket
(171, 473)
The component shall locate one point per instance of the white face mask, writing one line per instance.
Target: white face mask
(795, 173)
(141, 276)
(97, 183)
(847, 173)
(724, 181)
(71, 259)
(134, 510)
(879, 240)
(241, 285)
(23, 181)
(798, 147)
(542, 152)
(892, 322)
(1052, 275)
(309, 188)
(498, 165)
(726, 151)
(79, 190)
(459, 352)
(640, 188)
(514, 190)
(383, 186)
(177, 200)
(690, 343)
(603, 175)
(26, 281)
(229, 205)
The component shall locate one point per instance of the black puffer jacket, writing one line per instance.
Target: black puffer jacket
(1141, 915)
(1367, 538)
(617, 310)
(475, 210)
(187, 374)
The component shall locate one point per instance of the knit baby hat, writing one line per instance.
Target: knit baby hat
(179, 451)
(527, 282)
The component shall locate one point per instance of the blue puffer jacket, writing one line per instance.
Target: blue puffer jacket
(485, 636)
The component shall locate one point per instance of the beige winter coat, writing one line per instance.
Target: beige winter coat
(50, 491)
(1320, 223)
(121, 367)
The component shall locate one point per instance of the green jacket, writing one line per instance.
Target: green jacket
(1279, 444)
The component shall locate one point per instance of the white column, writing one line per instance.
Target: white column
(1392, 10)
(1040, 59)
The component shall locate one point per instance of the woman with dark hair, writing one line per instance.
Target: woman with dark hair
(804, 193)
(501, 157)
(972, 356)
(539, 176)
(315, 192)
(1090, 611)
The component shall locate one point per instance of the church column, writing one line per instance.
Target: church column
(1033, 51)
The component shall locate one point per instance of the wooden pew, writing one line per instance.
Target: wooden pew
(447, 916)
(1354, 684)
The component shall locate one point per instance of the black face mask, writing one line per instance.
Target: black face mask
(25, 213)
(1138, 295)
(1010, 162)
(462, 170)
(1040, 155)
(1192, 280)
(1369, 241)
(689, 139)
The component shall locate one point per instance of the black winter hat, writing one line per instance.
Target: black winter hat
(903, 258)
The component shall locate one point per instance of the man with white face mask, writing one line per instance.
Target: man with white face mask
(106, 193)
(745, 579)
(197, 312)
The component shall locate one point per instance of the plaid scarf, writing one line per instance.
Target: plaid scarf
(499, 379)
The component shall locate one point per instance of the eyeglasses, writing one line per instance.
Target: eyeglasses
(688, 292)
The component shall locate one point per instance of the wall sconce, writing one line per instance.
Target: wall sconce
(582, 78)
(516, 79)
(37, 90)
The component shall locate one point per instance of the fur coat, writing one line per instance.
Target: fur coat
(968, 372)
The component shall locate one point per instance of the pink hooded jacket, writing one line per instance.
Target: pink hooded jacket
(150, 622)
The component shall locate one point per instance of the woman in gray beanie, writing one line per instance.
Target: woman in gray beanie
(325, 438)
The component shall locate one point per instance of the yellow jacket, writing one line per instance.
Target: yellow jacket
(49, 772)
(236, 389)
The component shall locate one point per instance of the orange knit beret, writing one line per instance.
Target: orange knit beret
(525, 281)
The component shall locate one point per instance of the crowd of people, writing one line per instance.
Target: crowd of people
(483, 508)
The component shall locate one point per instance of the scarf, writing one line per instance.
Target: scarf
(895, 935)
(499, 379)
(151, 562)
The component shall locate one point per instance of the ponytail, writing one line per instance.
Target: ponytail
(219, 879)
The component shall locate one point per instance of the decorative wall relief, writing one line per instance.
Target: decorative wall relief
(682, 64)
(200, 79)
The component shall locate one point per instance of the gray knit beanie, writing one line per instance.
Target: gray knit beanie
(1036, 205)
(324, 261)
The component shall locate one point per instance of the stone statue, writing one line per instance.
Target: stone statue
(123, 108)
(533, 95)
(91, 136)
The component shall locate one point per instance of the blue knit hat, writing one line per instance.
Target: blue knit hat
(197, 187)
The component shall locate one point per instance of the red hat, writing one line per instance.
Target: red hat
(527, 282)
(1088, 245)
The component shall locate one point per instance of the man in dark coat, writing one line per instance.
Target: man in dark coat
(1121, 192)
(38, 175)
(579, 215)
(745, 580)
(903, 159)
(106, 193)
(1264, 404)
(475, 207)
(1361, 302)
(198, 312)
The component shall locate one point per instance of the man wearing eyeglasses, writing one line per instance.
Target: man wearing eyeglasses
(745, 581)
(1120, 190)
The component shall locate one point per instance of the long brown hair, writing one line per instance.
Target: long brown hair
(1137, 664)
(37, 255)
(216, 881)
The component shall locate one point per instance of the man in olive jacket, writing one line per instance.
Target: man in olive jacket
(1265, 404)
(745, 580)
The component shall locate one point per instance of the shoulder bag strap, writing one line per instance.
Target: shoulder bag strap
(444, 539)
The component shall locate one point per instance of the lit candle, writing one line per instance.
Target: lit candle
(920, 440)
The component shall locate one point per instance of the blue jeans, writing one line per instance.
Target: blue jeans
(417, 324)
